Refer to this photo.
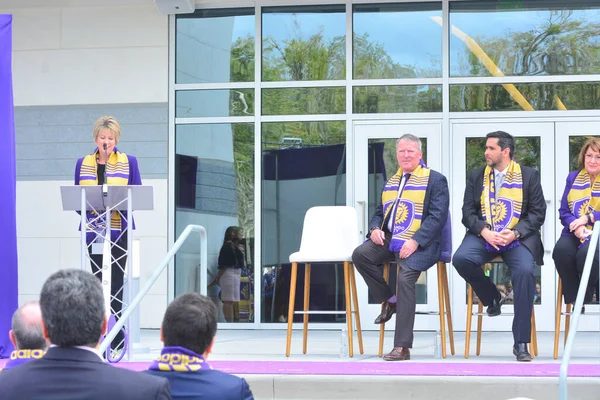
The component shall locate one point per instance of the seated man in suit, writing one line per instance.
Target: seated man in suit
(73, 319)
(405, 228)
(188, 333)
(503, 210)
(26, 335)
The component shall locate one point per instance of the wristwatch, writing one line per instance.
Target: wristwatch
(373, 228)
(589, 218)
(517, 234)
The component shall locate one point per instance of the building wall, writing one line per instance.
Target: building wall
(70, 66)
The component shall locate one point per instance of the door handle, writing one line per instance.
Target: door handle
(361, 203)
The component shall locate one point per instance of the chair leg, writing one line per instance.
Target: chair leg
(348, 307)
(440, 266)
(356, 310)
(386, 277)
(288, 341)
(306, 303)
(469, 318)
(479, 326)
(557, 318)
(568, 321)
(448, 310)
(534, 333)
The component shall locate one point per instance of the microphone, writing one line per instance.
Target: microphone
(104, 185)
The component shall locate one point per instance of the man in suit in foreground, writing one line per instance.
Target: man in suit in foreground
(188, 332)
(503, 210)
(26, 335)
(406, 228)
(73, 319)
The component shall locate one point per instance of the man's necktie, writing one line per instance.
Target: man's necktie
(498, 181)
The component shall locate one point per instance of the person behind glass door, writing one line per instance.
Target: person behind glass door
(503, 210)
(231, 262)
(579, 209)
(406, 228)
(119, 169)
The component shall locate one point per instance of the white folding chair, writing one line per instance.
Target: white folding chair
(329, 234)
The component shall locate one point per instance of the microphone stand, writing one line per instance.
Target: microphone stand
(105, 185)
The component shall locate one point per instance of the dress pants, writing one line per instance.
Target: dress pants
(368, 259)
(469, 258)
(569, 260)
(118, 267)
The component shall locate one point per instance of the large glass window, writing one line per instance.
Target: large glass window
(215, 46)
(304, 165)
(397, 41)
(214, 103)
(524, 37)
(525, 96)
(214, 187)
(397, 99)
(304, 43)
(298, 101)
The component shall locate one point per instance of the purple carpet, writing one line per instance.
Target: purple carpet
(409, 368)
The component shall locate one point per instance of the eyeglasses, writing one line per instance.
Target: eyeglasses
(591, 157)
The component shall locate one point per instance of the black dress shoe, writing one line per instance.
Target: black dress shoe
(495, 308)
(520, 350)
(398, 354)
(387, 310)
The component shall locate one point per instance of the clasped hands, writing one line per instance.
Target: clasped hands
(496, 239)
(409, 247)
(578, 227)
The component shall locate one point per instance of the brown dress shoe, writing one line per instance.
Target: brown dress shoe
(387, 310)
(398, 354)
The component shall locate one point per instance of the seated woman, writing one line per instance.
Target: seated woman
(231, 262)
(579, 209)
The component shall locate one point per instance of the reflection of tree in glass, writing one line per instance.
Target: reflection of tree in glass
(527, 152)
(243, 161)
(563, 44)
(242, 60)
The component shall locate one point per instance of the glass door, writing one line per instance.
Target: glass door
(572, 136)
(534, 147)
(374, 163)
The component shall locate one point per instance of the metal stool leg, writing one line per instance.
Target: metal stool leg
(469, 318)
(356, 311)
(306, 302)
(557, 318)
(568, 321)
(348, 307)
(386, 277)
(288, 340)
(440, 277)
(448, 310)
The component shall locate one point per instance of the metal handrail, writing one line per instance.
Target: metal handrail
(159, 270)
(585, 277)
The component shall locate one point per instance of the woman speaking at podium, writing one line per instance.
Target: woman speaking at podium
(108, 165)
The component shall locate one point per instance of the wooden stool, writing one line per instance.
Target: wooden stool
(559, 313)
(351, 297)
(480, 313)
(443, 297)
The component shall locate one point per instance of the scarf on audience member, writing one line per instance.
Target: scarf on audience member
(179, 359)
(19, 357)
(117, 173)
(409, 210)
(583, 198)
(502, 210)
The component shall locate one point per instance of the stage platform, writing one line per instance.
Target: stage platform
(259, 356)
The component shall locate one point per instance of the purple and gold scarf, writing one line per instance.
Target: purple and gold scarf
(179, 359)
(19, 357)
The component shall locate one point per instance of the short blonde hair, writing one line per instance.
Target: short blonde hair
(107, 122)
(592, 143)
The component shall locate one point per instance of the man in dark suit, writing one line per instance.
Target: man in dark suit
(26, 335)
(405, 228)
(73, 319)
(503, 210)
(188, 332)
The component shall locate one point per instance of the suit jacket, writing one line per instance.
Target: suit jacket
(76, 374)
(429, 235)
(533, 212)
(205, 385)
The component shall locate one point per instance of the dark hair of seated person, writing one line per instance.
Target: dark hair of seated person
(191, 322)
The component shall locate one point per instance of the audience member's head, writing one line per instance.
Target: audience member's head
(191, 322)
(73, 310)
(26, 332)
